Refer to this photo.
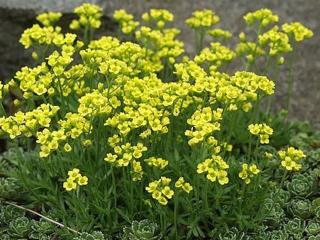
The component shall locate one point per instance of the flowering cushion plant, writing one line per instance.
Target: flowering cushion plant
(138, 129)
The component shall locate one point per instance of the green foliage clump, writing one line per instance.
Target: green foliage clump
(112, 129)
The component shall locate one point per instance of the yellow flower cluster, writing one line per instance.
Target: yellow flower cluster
(74, 179)
(263, 17)
(290, 158)
(41, 80)
(215, 168)
(185, 186)
(156, 162)
(145, 115)
(220, 33)
(58, 61)
(35, 80)
(215, 147)
(144, 93)
(248, 171)
(89, 17)
(125, 154)
(42, 36)
(162, 43)
(74, 125)
(137, 171)
(158, 17)
(27, 124)
(135, 60)
(216, 55)
(278, 42)
(203, 122)
(298, 31)
(241, 89)
(249, 50)
(49, 18)
(202, 19)
(113, 67)
(161, 190)
(233, 92)
(49, 141)
(127, 24)
(95, 103)
(189, 71)
(261, 130)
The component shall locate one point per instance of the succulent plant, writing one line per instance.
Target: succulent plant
(279, 235)
(316, 203)
(232, 234)
(9, 213)
(9, 189)
(42, 226)
(300, 208)
(141, 230)
(300, 140)
(313, 228)
(273, 212)
(40, 236)
(317, 237)
(4, 165)
(20, 227)
(317, 213)
(313, 158)
(301, 185)
(90, 236)
(262, 235)
(280, 196)
(295, 227)
(6, 236)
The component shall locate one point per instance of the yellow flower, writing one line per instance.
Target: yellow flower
(83, 180)
(152, 186)
(263, 17)
(261, 130)
(219, 33)
(160, 190)
(69, 185)
(89, 15)
(163, 200)
(67, 147)
(167, 192)
(254, 169)
(87, 142)
(248, 171)
(290, 158)
(74, 173)
(202, 19)
(254, 129)
(299, 31)
(49, 18)
(187, 187)
(179, 183)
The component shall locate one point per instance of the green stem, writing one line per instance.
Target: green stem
(200, 34)
(284, 176)
(249, 64)
(175, 216)
(290, 81)
(2, 110)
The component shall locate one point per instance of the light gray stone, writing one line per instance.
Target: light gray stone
(41, 5)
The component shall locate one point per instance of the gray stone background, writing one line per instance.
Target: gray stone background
(16, 15)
